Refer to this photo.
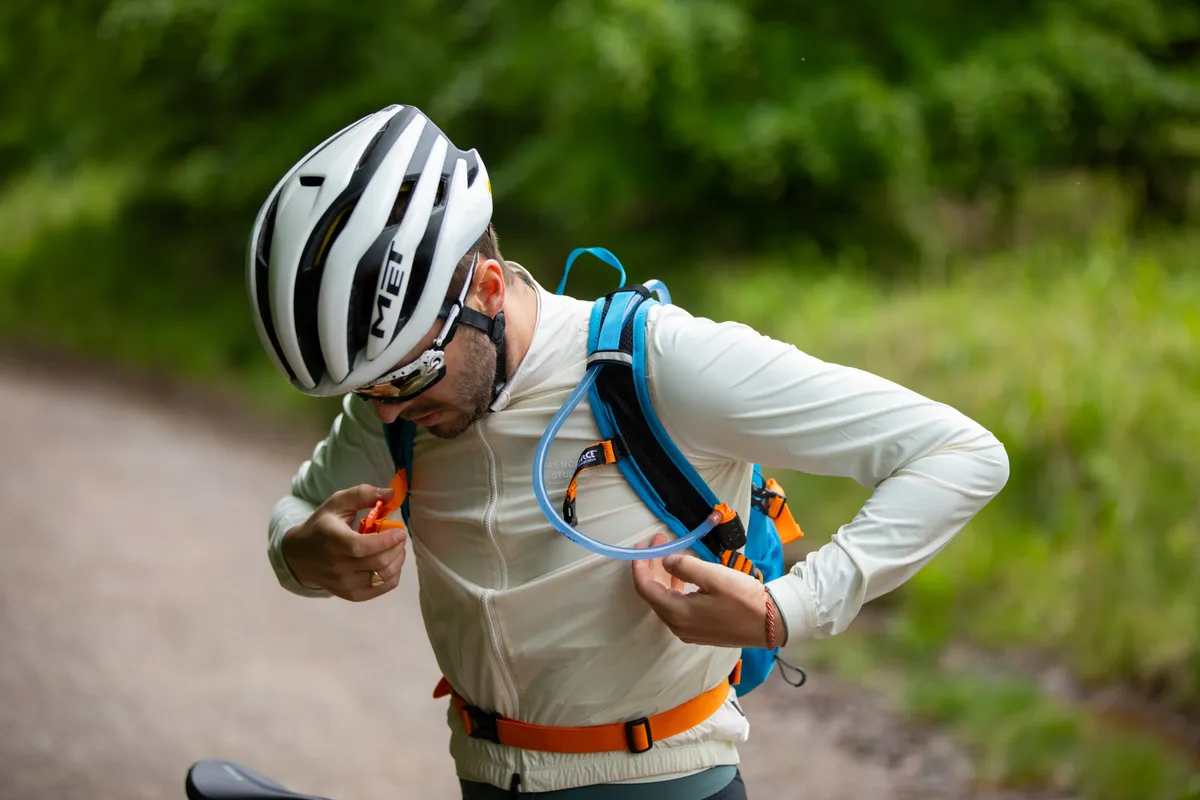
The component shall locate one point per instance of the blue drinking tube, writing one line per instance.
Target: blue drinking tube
(551, 510)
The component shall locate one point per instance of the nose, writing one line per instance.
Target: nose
(388, 412)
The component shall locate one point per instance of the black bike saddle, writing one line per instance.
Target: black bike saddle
(216, 779)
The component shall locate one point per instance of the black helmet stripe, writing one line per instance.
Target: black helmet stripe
(369, 266)
(423, 258)
(364, 287)
(419, 269)
(262, 261)
(262, 283)
(363, 292)
(307, 293)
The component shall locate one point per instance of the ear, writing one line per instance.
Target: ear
(487, 295)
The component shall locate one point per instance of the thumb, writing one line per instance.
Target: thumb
(362, 496)
(690, 569)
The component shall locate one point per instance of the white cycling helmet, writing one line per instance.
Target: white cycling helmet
(338, 294)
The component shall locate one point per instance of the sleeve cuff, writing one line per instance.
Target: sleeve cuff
(796, 605)
(286, 517)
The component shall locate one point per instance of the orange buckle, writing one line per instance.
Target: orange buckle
(735, 560)
(631, 739)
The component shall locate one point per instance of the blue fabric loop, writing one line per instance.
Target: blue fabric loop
(598, 252)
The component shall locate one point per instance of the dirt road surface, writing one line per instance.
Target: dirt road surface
(141, 629)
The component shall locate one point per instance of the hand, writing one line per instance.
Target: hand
(727, 610)
(326, 553)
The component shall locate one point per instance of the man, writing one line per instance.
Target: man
(374, 273)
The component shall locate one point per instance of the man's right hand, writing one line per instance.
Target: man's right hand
(326, 553)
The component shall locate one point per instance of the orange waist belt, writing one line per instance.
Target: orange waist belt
(636, 736)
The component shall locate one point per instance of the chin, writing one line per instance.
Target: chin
(452, 428)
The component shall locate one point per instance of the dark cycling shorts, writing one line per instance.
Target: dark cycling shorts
(718, 783)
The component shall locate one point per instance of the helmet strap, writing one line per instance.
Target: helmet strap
(494, 328)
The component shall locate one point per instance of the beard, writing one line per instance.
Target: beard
(473, 377)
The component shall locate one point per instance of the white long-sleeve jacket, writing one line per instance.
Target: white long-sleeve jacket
(525, 622)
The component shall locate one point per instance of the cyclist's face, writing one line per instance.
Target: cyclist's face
(448, 408)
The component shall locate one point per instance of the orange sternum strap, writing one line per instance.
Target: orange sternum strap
(735, 560)
(635, 736)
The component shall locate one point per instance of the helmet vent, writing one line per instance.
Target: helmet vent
(401, 205)
(371, 145)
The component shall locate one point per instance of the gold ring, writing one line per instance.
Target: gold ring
(375, 579)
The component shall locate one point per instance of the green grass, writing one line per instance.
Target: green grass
(1019, 738)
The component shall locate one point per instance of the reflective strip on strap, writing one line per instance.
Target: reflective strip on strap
(610, 357)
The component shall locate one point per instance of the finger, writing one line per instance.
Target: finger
(376, 554)
(665, 577)
(365, 591)
(688, 569)
(676, 584)
(386, 563)
(365, 545)
(661, 598)
(655, 564)
(650, 569)
(357, 497)
(647, 583)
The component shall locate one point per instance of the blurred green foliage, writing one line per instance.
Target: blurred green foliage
(762, 124)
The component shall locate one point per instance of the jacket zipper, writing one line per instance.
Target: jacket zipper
(489, 615)
(501, 662)
(489, 513)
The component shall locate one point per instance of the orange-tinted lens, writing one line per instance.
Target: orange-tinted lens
(403, 389)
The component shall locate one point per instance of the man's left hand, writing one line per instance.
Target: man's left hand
(728, 609)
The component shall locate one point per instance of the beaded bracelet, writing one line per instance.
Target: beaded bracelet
(770, 621)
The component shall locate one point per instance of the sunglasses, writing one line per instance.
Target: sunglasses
(423, 372)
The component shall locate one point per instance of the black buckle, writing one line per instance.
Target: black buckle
(483, 724)
(731, 535)
(644, 722)
(763, 497)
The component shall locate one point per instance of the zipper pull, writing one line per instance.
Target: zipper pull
(514, 788)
